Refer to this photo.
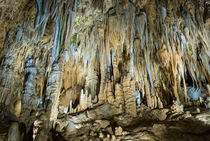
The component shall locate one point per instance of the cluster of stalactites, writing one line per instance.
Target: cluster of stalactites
(158, 57)
(63, 14)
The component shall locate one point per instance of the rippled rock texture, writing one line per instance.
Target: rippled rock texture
(98, 69)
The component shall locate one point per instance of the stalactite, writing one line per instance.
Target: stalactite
(87, 55)
(147, 61)
(17, 107)
(56, 45)
(147, 91)
(138, 97)
(42, 16)
(150, 10)
(92, 82)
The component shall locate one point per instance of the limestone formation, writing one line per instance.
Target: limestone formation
(104, 69)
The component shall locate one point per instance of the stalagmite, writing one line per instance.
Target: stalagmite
(14, 133)
(119, 97)
(110, 96)
(159, 102)
(129, 94)
(69, 66)
(53, 92)
(83, 102)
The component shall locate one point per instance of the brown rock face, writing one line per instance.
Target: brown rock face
(104, 69)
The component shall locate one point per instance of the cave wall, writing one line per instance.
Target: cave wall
(66, 57)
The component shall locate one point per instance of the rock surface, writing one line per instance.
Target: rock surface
(104, 70)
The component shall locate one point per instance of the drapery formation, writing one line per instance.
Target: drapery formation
(70, 56)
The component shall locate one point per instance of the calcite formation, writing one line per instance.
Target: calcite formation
(97, 67)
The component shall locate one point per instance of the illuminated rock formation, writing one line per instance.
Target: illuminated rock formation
(69, 66)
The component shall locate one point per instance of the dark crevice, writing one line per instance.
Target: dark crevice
(28, 136)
